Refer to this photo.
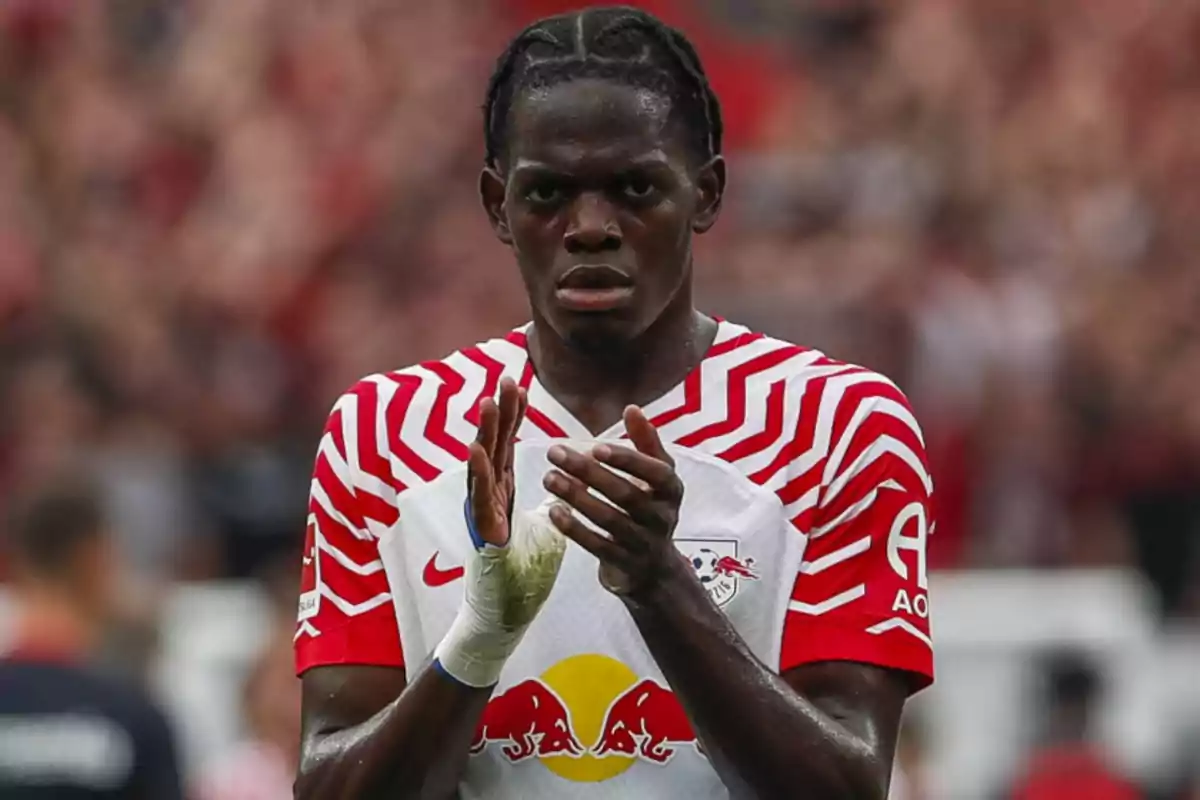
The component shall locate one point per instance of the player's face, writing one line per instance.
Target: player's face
(599, 199)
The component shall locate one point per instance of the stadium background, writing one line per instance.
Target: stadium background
(215, 215)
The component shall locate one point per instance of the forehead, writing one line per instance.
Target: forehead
(589, 123)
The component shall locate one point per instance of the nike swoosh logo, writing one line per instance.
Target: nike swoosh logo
(440, 577)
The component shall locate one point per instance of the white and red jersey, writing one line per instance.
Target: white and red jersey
(806, 510)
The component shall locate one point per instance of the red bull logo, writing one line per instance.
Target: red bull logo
(531, 720)
(734, 567)
(588, 718)
(648, 721)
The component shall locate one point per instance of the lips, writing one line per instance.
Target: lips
(594, 288)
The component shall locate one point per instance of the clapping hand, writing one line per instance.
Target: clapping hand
(516, 555)
(490, 479)
(640, 515)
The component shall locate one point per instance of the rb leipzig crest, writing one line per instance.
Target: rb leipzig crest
(717, 566)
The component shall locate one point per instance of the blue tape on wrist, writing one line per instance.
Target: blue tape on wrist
(438, 667)
(476, 539)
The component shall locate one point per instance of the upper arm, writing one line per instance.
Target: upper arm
(335, 698)
(856, 637)
(865, 700)
(346, 614)
(862, 591)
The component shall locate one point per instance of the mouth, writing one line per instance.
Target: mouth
(594, 288)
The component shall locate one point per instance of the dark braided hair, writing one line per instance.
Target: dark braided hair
(615, 43)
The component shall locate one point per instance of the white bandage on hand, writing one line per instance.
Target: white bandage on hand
(504, 588)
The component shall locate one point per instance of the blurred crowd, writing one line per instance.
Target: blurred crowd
(996, 203)
(215, 216)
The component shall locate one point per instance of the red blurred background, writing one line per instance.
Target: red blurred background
(214, 216)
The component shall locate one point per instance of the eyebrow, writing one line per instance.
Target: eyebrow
(650, 160)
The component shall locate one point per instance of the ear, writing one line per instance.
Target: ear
(710, 189)
(492, 190)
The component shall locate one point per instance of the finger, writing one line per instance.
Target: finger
(522, 405)
(644, 435)
(615, 522)
(599, 546)
(658, 475)
(489, 416)
(508, 403)
(482, 482)
(633, 499)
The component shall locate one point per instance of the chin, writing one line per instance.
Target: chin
(597, 334)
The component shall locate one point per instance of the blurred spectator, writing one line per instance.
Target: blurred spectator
(263, 765)
(910, 778)
(215, 216)
(1066, 764)
(67, 730)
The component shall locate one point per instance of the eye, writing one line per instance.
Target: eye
(543, 194)
(638, 187)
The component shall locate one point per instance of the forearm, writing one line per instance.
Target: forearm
(416, 746)
(747, 717)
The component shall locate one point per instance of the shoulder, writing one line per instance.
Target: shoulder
(827, 392)
(133, 702)
(803, 415)
(403, 391)
(409, 425)
(114, 696)
(740, 354)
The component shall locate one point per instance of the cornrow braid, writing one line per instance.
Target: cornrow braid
(614, 43)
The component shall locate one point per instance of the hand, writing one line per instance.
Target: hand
(490, 484)
(638, 550)
(515, 560)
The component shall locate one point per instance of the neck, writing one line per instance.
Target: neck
(630, 372)
(51, 623)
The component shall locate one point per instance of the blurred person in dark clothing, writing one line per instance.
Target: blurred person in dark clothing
(1068, 764)
(68, 731)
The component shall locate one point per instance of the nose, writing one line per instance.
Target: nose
(592, 226)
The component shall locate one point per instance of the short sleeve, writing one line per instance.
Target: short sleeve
(346, 614)
(862, 592)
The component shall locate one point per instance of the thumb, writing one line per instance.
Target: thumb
(644, 435)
